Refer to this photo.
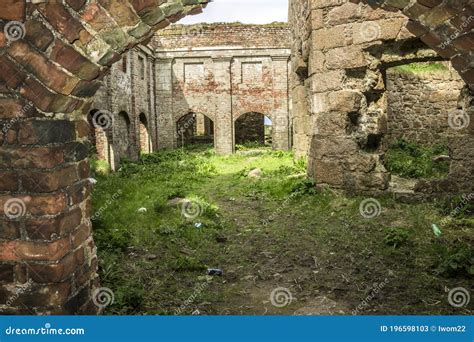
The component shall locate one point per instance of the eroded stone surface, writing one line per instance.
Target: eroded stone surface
(340, 54)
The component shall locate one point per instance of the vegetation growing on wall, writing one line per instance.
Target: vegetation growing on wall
(410, 160)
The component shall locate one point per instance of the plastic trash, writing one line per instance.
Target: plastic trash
(215, 271)
(198, 225)
(142, 210)
(436, 231)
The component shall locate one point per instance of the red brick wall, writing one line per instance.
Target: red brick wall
(204, 35)
(53, 57)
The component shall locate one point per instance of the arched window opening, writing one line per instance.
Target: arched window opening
(194, 128)
(253, 129)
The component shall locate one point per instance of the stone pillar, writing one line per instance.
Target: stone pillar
(462, 146)
(200, 125)
(301, 28)
(223, 125)
(280, 113)
(166, 126)
(151, 106)
(344, 124)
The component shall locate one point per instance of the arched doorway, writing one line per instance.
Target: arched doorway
(253, 129)
(145, 139)
(194, 128)
(123, 135)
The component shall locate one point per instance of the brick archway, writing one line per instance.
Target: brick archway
(50, 70)
(194, 127)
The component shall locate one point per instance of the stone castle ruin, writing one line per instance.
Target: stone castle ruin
(77, 71)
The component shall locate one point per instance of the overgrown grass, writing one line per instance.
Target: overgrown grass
(418, 68)
(99, 166)
(251, 145)
(411, 160)
(275, 230)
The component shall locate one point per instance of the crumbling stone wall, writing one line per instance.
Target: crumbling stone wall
(419, 105)
(343, 80)
(54, 55)
(223, 71)
(128, 88)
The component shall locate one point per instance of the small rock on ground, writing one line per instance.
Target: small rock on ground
(174, 202)
(255, 173)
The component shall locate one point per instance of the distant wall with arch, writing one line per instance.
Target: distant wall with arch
(244, 69)
(194, 128)
(230, 70)
(126, 103)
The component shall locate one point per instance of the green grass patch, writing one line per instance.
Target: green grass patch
(410, 160)
(99, 166)
(419, 68)
(265, 232)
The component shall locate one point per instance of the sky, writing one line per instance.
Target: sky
(245, 11)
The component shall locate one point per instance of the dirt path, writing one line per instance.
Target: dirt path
(271, 280)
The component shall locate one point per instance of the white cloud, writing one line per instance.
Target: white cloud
(245, 11)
